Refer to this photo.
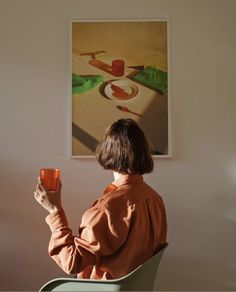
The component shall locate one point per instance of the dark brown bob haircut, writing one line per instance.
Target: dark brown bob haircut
(125, 149)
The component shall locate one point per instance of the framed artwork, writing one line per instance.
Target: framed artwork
(119, 69)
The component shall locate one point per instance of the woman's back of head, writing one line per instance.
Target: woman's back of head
(125, 149)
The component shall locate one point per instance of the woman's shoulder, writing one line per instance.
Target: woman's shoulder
(117, 196)
(124, 195)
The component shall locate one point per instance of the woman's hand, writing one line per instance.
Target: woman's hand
(51, 201)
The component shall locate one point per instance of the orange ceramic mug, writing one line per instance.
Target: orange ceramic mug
(50, 178)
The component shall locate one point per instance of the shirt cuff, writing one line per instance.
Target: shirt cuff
(57, 220)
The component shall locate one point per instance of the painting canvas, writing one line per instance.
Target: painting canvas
(119, 69)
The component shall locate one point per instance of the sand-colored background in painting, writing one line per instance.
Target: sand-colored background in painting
(140, 43)
(137, 43)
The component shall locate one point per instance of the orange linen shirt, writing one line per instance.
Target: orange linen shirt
(120, 231)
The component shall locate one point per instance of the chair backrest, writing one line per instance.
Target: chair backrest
(140, 279)
(143, 277)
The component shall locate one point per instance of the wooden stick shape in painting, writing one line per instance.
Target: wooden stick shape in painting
(125, 109)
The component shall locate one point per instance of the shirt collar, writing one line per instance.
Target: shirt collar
(126, 179)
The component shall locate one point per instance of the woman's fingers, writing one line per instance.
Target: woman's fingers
(41, 186)
(39, 181)
(36, 196)
(39, 189)
(50, 200)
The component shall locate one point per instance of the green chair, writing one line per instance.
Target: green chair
(140, 279)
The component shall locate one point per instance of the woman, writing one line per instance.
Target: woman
(125, 226)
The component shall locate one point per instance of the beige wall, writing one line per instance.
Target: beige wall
(198, 183)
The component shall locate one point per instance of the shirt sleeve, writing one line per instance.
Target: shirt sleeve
(102, 232)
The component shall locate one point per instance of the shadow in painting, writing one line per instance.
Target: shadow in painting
(83, 137)
(155, 124)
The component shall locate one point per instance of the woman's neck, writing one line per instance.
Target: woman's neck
(118, 175)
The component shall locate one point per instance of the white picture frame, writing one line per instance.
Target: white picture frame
(94, 107)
